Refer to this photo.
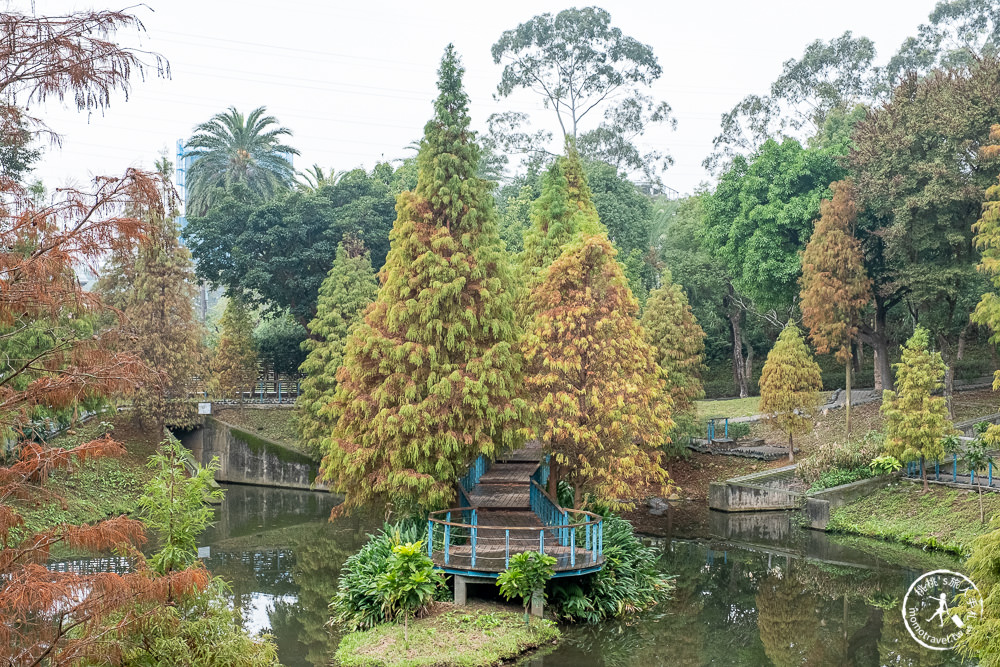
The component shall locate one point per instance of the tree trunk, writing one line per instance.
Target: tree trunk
(877, 338)
(554, 478)
(952, 361)
(949, 388)
(859, 357)
(739, 365)
(982, 515)
(847, 397)
(791, 449)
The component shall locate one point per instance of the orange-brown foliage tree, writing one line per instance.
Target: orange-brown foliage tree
(835, 286)
(57, 617)
(600, 403)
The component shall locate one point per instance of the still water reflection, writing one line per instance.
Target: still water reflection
(751, 590)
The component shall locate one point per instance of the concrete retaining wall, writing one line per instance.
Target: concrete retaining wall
(249, 459)
(820, 504)
(756, 493)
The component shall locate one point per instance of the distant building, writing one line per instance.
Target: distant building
(183, 165)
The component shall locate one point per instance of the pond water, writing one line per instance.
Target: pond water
(751, 589)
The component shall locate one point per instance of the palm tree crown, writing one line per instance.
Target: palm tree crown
(231, 149)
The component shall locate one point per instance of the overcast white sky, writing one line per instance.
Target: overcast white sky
(354, 80)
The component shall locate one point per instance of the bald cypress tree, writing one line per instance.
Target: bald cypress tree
(670, 325)
(916, 421)
(430, 376)
(598, 396)
(564, 209)
(347, 290)
(789, 386)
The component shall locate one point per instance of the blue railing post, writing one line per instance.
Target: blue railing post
(954, 468)
(991, 475)
(937, 470)
(447, 537)
(600, 546)
(279, 391)
(597, 538)
(506, 550)
(541, 541)
(473, 541)
(727, 428)
(572, 549)
(564, 536)
(430, 538)
(586, 532)
(972, 476)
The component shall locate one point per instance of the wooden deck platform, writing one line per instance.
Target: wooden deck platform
(506, 524)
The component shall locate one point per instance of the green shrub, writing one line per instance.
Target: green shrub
(199, 630)
(526, 573)
(359, 604)
(408, 583)
(837, 476)
(885, 465)
(849, 456)
(631, 580)
(739, 430)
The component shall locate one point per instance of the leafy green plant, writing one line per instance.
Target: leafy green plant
(358, 604)
(739, 430)
(200, 630)
(839, 476)
(978, 457)
(631, 580)
(173, 505)
(526, 574)
(884, 465)
(848, 456)
(408, 583)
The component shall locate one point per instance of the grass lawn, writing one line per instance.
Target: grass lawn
(472, 637)
(94, 490)
(277, 424)
(733, 407)
(942, 518)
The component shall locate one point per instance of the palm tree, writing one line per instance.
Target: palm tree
(314, 177)
(232, 149)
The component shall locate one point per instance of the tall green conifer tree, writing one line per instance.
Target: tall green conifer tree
(789, 386)
(670, 325)
(234, 366)
(347, 290)
(430, 377)
(564, 209)
(916, 422)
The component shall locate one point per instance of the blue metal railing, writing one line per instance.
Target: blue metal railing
(475, 472)
(541, 474)
(710, 429)
(549, 513)
(959, 474)
(464, 545)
